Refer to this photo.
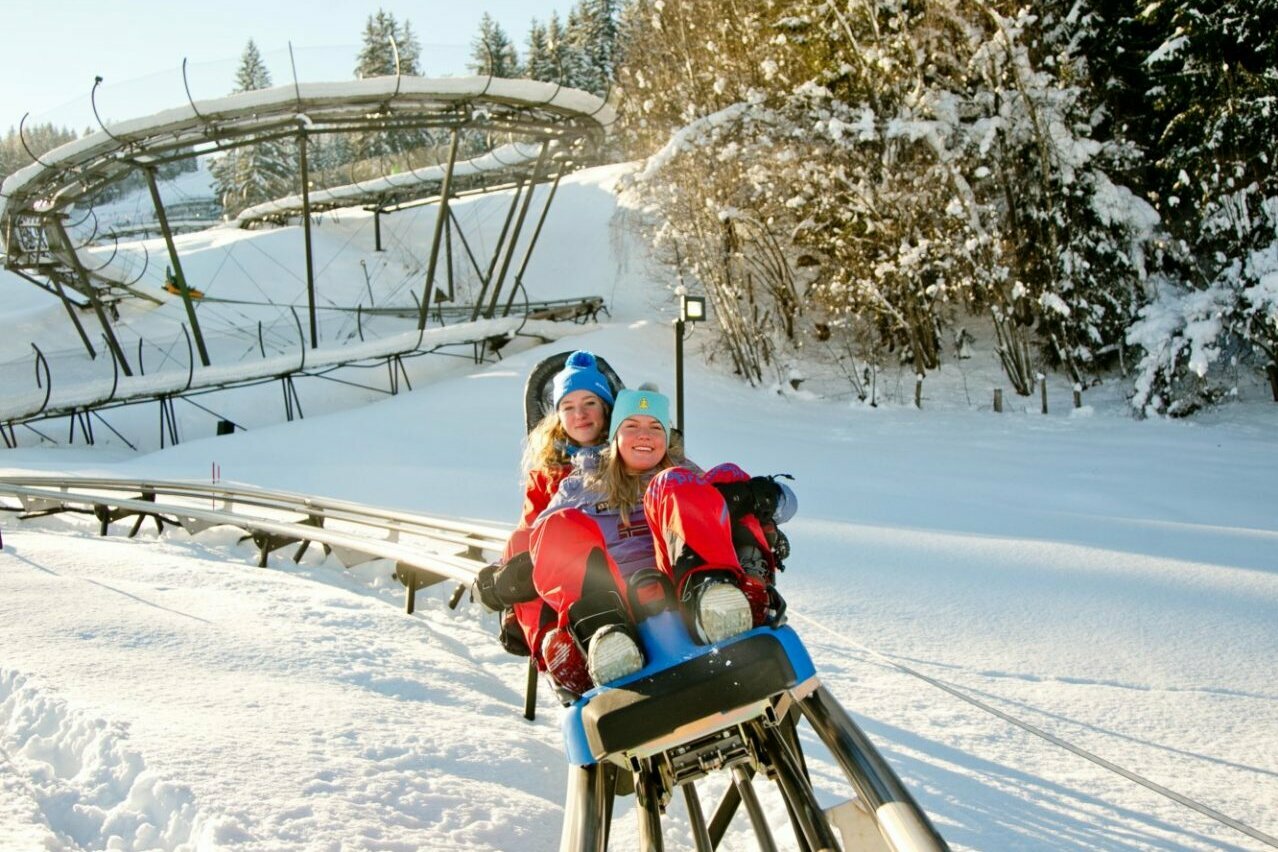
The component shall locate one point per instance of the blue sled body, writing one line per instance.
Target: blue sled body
(683, 686)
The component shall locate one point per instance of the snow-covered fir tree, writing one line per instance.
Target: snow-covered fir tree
(383, 41)
(560, 53)
(1214, 85)
(539, 64)
(492, 52)
(592, 37)
(262, 171)
(387, 47)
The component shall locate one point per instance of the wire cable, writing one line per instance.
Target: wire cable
(1180, 799)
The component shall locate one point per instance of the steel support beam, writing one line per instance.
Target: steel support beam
(470, 255)
(448, 253)
(532, 243)
(501, 242)
(61, 293)
(306, 234)
(162, 217)
(429, 289)
(519, 224)
(74, 260)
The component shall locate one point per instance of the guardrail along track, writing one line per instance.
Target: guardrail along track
(426, 549)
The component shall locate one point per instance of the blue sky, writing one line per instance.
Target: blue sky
(50, 53)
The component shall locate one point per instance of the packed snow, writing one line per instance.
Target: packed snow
(1108, 580)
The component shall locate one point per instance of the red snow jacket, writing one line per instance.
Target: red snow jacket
(629, 543)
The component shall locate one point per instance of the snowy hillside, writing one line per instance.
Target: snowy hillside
(1109, 581)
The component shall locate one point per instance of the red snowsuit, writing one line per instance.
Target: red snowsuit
(534, 617)
(680, 507)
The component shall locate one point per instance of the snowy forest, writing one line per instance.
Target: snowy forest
(1091, 184)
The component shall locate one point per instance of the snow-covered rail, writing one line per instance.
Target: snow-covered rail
(426, 549)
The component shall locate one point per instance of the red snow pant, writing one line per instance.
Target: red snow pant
(684, 511)
(531, 618)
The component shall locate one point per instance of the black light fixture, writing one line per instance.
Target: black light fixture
(692, 309)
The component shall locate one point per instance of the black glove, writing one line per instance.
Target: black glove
(498, 586)
(512, 636)
(756, 496)
(776, 607)
(483, 590)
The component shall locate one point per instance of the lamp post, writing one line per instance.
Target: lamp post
(692, 309)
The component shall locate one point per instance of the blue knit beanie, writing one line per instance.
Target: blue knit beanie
(642, 401)
(581, 372)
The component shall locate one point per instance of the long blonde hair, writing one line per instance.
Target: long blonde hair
(546, 446)
(622, 489)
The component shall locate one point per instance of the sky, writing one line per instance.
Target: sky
(1108, 580)
(50, 57)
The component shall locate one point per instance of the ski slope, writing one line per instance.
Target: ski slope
(1110, 581)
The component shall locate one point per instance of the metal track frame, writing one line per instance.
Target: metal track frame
(426, 549)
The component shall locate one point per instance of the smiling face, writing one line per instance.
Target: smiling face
(641, 442)
(581, 413)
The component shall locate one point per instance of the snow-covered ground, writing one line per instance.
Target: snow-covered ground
(1110, 581)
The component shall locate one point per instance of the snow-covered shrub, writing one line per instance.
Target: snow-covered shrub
(1212, 100)
(1182, 334)
(924, 159)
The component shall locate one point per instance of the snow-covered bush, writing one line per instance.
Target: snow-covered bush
(921, 160)
(1212, 101)
(1181, 333)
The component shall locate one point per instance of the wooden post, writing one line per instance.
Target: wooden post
(998, 400)
(918, 391)
(1078, 395)
(1042, 384)
(1272, 369)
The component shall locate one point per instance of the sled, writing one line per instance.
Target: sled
(172, 287)
(734, 707)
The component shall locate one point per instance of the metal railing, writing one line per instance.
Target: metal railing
(426, 549)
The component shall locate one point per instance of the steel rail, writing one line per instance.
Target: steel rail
(426, 548)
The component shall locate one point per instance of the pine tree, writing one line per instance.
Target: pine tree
(383, 37)
(492, 52)
(592, 33)
(1212, 92)
(538, 62)
(560, 54)
(376, 56)
(410, 51)
(38, 137)
(260, 172)
(252, 73)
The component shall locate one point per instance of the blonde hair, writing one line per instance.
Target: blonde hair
(622, 489)
(545, 446)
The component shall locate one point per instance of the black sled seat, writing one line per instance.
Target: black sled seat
(684, 692)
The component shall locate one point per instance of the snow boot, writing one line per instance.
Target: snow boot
(603, 628)
(565, 663)
(613, 654)
(717, 607)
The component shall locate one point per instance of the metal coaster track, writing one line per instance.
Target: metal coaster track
(426, 549)
(561, 130)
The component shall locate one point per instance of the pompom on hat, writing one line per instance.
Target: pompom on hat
(647, 401)
(580, 372)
